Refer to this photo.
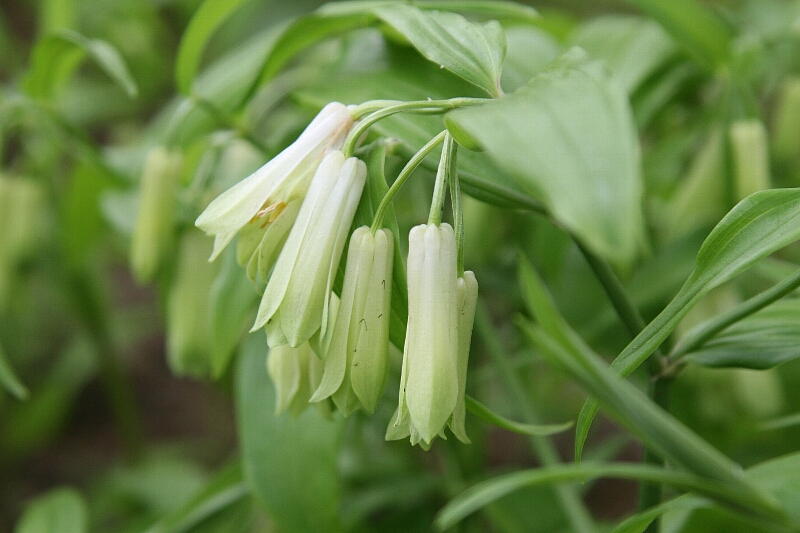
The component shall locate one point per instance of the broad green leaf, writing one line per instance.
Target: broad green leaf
(634, 47)
(492, 489)
(56, 56)
(225, 490)
(490, 417)
(700, 32)
(208, 17)
(470, 50)
(529, 50)
(59, 511)
(232, 304)
(290, 464)
(658, 430)
(496, 9)
(9, 380)
(760, 341)
(759, 225)
(581, 152)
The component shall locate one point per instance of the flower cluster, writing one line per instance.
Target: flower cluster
(293, 217)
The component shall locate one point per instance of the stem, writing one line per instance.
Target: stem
(698, 337)
(410, 167)
(651, 493)
(458, 219)
(447, 165)
(579, 518)
(377, 110)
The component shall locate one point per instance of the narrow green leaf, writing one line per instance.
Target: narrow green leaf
(759, 225)
(760, 341)
(495, 488)
(290, 464)
(56, 56)
(9, 380)
(490, 417)
(581, 156)
(208, 17)
(472, 51)
(701, 33)
(639, 522)
(658, 430)
(59, 511)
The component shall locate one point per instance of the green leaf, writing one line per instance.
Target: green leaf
(529, 50)
(490, 417)
(704, 36)
(492, 489)
(56, 56)
(9, 380)
(759, 225)
(224, 491)
(472, 51)
(59, 511)
(231, 314)
(208, 17)
(639, 522)
(581, 156)
(658, 430)
(760, 341)
(290, 464)
(633, 47)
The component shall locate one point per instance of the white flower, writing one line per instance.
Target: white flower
(295, 301)
(296, 373)
(284, 178)
(357, 358)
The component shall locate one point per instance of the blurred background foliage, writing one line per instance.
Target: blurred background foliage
(134, 400)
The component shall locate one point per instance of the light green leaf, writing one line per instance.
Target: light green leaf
(492, 489)
(59, 511)
(581, 156)
(701, 33)
(639, 522)
(9, 380)
(290, 464)
(759, 225)
(472, 51)
(208, 17)
(762, 340)
(529, 50)
(56, 56)
(658, 430)
(490, 417)
(634, 47)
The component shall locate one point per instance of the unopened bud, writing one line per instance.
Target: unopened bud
(750, 157)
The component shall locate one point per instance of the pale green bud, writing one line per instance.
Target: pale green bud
(153, 234)
(467, 302)
(786, 121)
(750, 157)
(187, 320)
(429, 384)
(284, 178)
(260, 241)
(296, 299)
(296, 373)
(357, 358)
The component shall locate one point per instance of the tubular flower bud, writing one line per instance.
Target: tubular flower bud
(284, 178)
(429, 382)
(296, 372)
(358, 355)
(750, 156)
(258, 246)
(296, 299)
(467, 302)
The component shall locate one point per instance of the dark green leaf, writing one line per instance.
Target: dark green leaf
(580, 156)
(472, 51)
(702, 34)
(759, 225)
(9, 380)
(56, 56)
(59, 511)
(208, 17)
(490, 417)
(290, 464)
(639, 522)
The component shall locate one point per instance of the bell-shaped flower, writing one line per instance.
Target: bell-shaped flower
(357, 357)
(296, 299)
(296, 373)
(441, 309)
(284, 178)
(259, 245)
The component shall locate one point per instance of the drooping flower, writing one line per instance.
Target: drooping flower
(357, 358)
(284, 178)
(296, 299)
(296, 373)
